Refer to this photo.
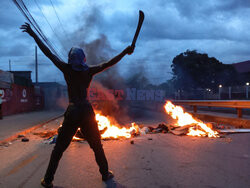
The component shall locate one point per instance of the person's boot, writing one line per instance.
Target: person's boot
(46, 185)
(107, 176)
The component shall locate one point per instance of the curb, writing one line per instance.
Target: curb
(25, 131)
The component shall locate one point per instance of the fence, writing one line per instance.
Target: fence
(238, 104)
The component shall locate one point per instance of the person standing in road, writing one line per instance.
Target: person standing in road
(79, 113)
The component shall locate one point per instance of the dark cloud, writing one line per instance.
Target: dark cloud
(231, 5)
(14, 50)
(9, 15)
(217, 27)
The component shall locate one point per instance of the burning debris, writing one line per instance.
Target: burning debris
(113, 131)
(185, 121)
(109, 130)
(185, 125)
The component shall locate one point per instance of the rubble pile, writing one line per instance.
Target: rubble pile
(141, 130)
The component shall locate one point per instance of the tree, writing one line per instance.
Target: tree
(192, 70)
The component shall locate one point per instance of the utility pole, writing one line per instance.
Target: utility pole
(36, 64)
(247, 85)
(230, 92)
(220, 88)
(9, 65)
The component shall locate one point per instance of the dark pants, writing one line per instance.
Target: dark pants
(77, 116)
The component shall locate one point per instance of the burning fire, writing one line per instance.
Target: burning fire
(77, 138)
(112, 131)
(184, 118)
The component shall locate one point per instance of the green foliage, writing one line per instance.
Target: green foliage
(192, 70)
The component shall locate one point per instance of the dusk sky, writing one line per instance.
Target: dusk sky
(217, 27)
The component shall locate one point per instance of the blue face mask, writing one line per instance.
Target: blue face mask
(77, 59)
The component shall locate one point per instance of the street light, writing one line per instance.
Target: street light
(247, 85)
(230, 92)
(220, 86)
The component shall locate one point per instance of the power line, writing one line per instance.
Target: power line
(38, 29)
(70, 41)
(24, 10)
(50, 25)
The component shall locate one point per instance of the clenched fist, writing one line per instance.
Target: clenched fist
(129, 50)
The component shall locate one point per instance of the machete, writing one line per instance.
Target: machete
(141, 19)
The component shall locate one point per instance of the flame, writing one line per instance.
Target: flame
(77, 138)
(184, 118)
(112, 131)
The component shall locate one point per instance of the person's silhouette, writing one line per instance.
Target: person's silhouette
(79, 113)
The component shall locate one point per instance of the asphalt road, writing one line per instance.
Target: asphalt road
(155, 160)
(14, 123)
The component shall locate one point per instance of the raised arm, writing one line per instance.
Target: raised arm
(58, 63)
(99, 68)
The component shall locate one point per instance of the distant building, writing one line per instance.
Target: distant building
(22, 78)
(6, 79)
(18, 93)
(55, 95)
(242, 67)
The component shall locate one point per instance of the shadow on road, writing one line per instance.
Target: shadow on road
(113, 184)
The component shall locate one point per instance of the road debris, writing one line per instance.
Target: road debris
(144, 130)
(161, 128)
(180, 130)
(25, 139)
(20, 136)
(46, 134)
(51, 140)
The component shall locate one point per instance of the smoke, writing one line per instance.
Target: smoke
(99, 50)
(138, 79)
(110, 106)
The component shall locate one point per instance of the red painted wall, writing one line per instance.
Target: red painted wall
(20, 99)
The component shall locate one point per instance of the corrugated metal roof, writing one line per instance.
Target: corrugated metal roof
(5, 84)
(6, 79)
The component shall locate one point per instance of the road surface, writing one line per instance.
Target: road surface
(154, 160)
(14, 123)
